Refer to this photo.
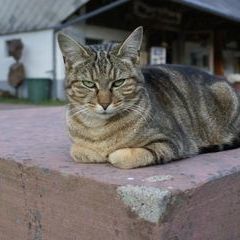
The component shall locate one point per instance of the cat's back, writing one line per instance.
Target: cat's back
(171, 73)
(199, 101)
(170, 82)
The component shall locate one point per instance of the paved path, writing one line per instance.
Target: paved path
(8, 106)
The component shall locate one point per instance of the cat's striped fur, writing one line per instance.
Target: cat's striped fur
(157, 114)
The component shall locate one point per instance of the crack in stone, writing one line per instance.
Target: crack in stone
(32, 216)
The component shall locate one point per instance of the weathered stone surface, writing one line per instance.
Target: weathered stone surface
(149, 203)
(46, 196)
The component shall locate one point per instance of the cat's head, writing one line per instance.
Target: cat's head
(103, 80)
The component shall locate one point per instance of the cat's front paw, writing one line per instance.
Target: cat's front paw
(127, 158)
(85, 155)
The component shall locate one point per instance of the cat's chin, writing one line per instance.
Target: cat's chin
(104, 115)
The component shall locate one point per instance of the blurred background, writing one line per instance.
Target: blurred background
(200, 33)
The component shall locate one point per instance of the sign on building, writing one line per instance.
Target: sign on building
(158, 55)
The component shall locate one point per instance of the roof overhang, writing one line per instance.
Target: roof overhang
(229, 9)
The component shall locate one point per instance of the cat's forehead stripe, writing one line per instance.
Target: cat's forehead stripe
(102, 66)
(107, 47)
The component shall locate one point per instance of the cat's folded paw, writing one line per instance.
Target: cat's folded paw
(84, 155)
(127, 158)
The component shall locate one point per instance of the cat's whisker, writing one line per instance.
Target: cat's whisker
(83, 110)
(139, 112)
(70, 104)
(77, 113)
(73, 110)
(142, 111)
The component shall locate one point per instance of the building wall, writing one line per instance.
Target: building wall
(195, 50)
(37, 57)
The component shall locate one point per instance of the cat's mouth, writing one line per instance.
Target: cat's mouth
(105, 113)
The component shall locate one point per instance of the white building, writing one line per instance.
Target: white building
(33, 22)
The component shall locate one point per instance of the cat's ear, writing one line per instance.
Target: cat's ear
(72, 50)
(130, 48)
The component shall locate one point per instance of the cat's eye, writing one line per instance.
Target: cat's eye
(89, 84)
(118, 83)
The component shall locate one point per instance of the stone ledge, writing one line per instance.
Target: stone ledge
(44, 195)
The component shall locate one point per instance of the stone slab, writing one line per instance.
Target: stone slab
(45, 195)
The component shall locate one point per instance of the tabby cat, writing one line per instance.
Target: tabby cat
(131, 117)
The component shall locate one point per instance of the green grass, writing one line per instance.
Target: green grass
(53, 103)
(26, 101)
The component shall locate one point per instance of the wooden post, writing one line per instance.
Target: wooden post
(218, 56)
(179, 47)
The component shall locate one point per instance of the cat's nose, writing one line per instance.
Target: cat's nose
(104, 98)
(105, 105)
